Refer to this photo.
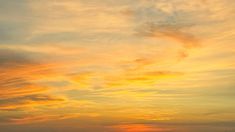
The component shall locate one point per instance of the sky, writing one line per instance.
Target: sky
(117, 65)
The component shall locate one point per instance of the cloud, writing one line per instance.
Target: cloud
(19, 91)
(29, 102)
(140, 78)
(14, 76)
(19, 86)
(41, 118)
(29, 51)
(171, 32)
(13, 58)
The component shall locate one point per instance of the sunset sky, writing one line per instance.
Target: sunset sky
(117, 65)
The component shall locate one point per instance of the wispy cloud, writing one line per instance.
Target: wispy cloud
(172, 32)
(29, 103)
(41, 118)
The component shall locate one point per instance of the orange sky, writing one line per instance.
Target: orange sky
(117, 66)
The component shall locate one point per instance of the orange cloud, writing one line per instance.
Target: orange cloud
(41, 118)
(19, 81)
(140, 78)
(28, 103)
(28, 89)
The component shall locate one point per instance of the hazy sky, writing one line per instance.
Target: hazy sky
(117, 65)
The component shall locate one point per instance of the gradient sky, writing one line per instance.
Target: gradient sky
(117, 65)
